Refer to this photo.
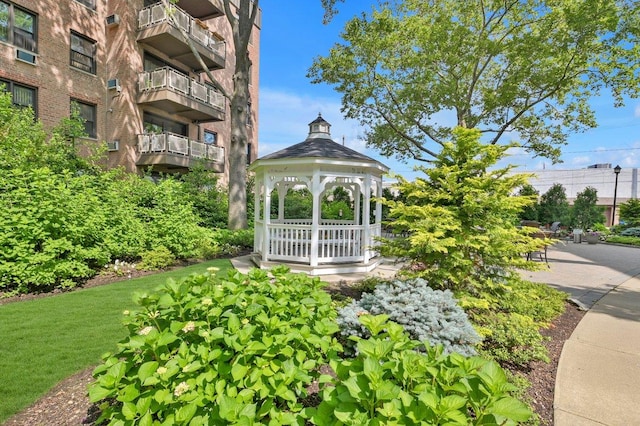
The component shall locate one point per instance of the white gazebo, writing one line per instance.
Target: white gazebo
(317, 244)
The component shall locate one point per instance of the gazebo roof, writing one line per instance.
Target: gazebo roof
(320, 145)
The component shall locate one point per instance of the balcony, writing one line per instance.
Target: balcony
(202, 9)
(177, 93)
(161, 28)
(171, 151)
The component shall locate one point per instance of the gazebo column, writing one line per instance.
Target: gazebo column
(256, 210)
(266, 209)
(365, 218)
(356, 204)
(283, 188)
(378, 207)
(315, 217)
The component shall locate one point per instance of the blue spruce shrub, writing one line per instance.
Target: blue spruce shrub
(425, 313)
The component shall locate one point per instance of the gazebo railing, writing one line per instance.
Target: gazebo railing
(337, 243)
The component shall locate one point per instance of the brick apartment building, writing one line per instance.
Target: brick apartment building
(133, 78)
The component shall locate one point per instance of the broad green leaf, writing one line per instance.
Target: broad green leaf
(147, 369)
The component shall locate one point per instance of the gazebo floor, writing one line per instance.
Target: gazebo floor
(322, 269)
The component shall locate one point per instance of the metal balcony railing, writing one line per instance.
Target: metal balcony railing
(159, 13)
(168, 142)
(171, 79)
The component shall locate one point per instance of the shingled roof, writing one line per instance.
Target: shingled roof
(319, 145)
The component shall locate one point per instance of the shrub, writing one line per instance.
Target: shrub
(426, 314)
(209, 350)
(634, 241)
(233, 242)
(630, 232)
(538, 301)
(49, 230)
(158, 258)
(390, 382)
(509, 317)
(514, 339)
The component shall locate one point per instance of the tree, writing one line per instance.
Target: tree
(461, 218)
(630, 212)
(554, 206)
(529, 212)
(585, 212)
(241, 18)
(413, 69)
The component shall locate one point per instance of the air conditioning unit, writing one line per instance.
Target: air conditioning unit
(114, 84)
(113, 20)
(25, 56)
(113, 146)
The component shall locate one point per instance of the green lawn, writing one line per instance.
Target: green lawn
(43, 341)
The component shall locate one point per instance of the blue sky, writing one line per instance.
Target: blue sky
(293, 34)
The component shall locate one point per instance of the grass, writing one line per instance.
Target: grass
(44, 341)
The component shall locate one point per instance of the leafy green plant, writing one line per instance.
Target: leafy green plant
(634, 241)
(391, 382)
(513, 338)
(48, 339)
(207, 350)
(158, 258)
(426, 314)
(510, 316)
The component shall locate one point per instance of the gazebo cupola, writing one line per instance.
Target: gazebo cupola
(338, 233)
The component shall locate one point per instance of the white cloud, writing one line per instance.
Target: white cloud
(284, 119)
(636, 111)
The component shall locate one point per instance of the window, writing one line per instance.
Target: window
(156, 124)
(23, 96)
(83, 53)
(210, 137)
(17, 26)
(91, 4)
(249, 149)
(87, 112)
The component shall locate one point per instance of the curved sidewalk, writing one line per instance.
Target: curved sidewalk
(598, 376)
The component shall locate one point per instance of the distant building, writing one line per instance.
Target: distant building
(599, 176)
(135, 81)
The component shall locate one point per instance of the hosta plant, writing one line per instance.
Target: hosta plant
(206, 350)
(390, 382)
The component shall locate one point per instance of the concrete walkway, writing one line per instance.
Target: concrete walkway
(598, 378)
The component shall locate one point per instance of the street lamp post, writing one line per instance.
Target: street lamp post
(616, 170)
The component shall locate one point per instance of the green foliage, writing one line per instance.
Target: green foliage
(509, 317)
(48, 339)
(460, 219)
(585, 212)
(208, 200)
(634, 241)
(529, 212)
(337, 210)
(391, 382)
(158, 258)
(630, 212)
(426, 314)
(514, 338)
(65, 218)
(49, 230)
(554, 206)
(531, 66)
(233, 242)
(205, 350)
